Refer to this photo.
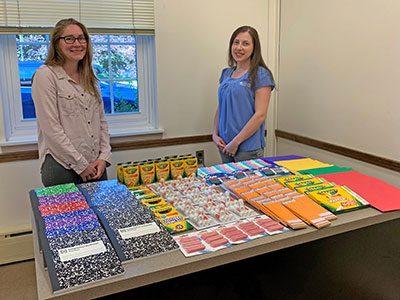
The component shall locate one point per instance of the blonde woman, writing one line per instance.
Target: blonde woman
(73, 136)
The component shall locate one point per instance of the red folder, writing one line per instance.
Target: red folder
(378, 193)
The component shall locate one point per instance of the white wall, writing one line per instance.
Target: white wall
(192, 42)
(192, 39)
(339, 72)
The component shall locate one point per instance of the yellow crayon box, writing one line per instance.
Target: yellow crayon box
(162, 169)
(309, 188)
(296, 184)
(284, 180)
(177, 166)
(146, 195)
(190, 166)
(140, 190)
(120, 173)
(338, 199)
(147, 172)
(171, 219)
(131, 175)
(154, 202)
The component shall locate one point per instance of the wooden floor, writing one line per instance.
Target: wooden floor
(18, 281)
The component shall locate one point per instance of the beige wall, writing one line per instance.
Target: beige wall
(339, 71)
(191, 41)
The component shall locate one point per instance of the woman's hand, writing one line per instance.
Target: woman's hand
(219, 142)
(88, 174)
(99, 165)
(231, 148)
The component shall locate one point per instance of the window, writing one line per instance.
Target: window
(123, 60)
(124, 64)
(114, 63)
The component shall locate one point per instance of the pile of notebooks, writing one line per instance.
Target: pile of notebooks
(134, 230)
(75, 247)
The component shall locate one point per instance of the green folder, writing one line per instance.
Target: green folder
(325, 170)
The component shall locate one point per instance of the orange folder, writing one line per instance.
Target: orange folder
(311, 204)
(305, 213)
(285, 215)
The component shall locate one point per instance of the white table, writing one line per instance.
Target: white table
(169, 265)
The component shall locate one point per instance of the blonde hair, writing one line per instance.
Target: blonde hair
(56, 57)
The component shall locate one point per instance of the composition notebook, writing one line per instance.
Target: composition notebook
(76, 249)
(133, 229)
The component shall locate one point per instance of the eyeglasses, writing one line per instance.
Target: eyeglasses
(69, 39)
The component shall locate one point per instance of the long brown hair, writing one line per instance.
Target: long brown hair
(256, 59)
(55, 56)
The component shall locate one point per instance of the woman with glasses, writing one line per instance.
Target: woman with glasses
(243, 98)
(73, 134)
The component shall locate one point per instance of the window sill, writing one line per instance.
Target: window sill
(128, 136)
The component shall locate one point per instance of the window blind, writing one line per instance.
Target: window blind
(101, 17)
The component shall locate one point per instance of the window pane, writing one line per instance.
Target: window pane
(106, 94)
(31, 38)
(28, 108)
(100, 61)
(31, 52)
(125, 96)
(99, 38)
(129, 39)
(123, 61)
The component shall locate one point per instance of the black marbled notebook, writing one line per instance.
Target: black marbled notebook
(81, 258)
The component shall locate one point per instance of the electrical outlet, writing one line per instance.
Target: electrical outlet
(200, 157)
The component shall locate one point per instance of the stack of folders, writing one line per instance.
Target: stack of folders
(284, 199)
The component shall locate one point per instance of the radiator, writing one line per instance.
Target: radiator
(16, 244)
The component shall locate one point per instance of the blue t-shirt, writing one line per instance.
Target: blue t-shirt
(236, 106)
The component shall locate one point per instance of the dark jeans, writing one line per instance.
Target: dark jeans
(242, 155)
(53, 173)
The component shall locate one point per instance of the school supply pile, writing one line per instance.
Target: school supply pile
(296, 200)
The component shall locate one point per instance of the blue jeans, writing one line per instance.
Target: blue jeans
(53, 173)
(242, 155)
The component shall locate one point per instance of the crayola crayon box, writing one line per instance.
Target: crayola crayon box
(190, 166)
(162, 169)
(171, 219)
(338, 199)
(131, 175)
(147, 172)
(177, 166)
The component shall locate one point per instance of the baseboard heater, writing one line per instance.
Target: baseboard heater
(16, 246)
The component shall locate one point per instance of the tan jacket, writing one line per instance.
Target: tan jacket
(72, 126)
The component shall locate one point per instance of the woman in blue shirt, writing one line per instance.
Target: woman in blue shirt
(243, 98)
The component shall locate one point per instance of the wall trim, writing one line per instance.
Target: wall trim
(161, 142)
(362, 156)
(121, 146)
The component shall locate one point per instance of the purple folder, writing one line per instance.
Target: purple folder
(279, 158)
